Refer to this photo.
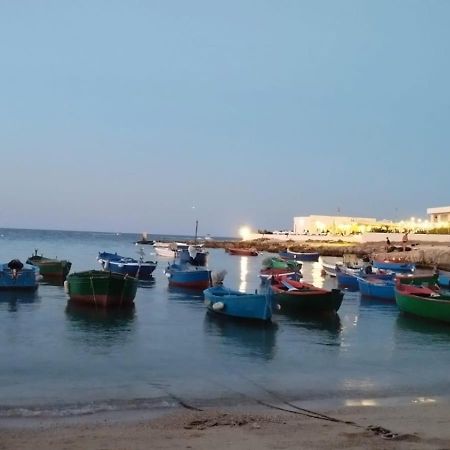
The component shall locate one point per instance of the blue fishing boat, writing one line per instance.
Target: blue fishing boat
(444, 279)
(16, 275)
(189, 270)
(347, 278)
(140, 269)
(299, 256)
(231, 303)
(375, 287)
(394, 266)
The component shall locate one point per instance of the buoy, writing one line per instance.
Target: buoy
(218, 306)
(66, 286)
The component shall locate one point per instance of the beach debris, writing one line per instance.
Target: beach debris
(382, 432)
(223, 419)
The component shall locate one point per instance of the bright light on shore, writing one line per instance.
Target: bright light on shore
(245, 233)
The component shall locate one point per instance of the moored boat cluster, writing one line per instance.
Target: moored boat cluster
(282, 287)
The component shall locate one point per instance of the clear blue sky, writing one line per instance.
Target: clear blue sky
(122, 115)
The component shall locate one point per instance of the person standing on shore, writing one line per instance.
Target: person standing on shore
(405, 240)
(388, 244)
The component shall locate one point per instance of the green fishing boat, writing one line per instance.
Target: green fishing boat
(101, 289)
(423, 302)
(50, 267)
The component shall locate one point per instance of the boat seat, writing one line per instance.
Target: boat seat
(288, 286)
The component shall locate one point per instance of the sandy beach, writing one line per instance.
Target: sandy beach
(412, 426)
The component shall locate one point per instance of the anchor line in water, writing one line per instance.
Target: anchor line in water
(179, 400)
(377, 430)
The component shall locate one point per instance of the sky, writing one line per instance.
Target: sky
(148, 115)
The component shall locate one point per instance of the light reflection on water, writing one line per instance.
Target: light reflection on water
(243, 274)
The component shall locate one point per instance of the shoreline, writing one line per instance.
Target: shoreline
(406, 425)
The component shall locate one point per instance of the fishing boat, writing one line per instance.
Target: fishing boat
(242, 251)
(299, 256)
(377, 288)
(227, 302)
(168, 249)
(50, 267)
(16, 275)
(423, 302)
(396, 266)
(329, 268)
(189, 270)
(444, 279)
(385, 289)
(140, 269)
(101, 289)
(294, 296)
(144, 240)
(277, 266)
(349, 261)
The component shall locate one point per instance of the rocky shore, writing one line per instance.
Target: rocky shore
(424, 255)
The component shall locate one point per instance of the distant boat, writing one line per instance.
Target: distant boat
(144, 240)
(234, 304)
(102, 289)
(169, 249)
(50, 267)
(297, 297)
(16, 275)
(140, 269)
(396, 266)
(300, 256)
(277, 266)
(444, 279)
(242, 251)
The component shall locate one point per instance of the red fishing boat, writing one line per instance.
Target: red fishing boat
(242, 251)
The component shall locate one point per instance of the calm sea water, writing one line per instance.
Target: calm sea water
(60, 360)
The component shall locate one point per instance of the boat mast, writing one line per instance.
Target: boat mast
(196, 229)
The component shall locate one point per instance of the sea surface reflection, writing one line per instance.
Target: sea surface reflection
(244, 339)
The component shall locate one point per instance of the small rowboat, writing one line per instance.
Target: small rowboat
(226, 302)
(299, 256)
(49, 267)
(242, 251)
(101, 289)
(423, 302)
(396, 266)
(296, 297)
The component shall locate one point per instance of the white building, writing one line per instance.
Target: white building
(316, 224)
(439, 214)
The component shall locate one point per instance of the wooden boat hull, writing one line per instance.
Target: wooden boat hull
(242, 252)
(141, 271)
(394, 266)
(384, 289)
(198, 278)
(50, 268)
(347, 280)
(329, 269)
(444, 279)
(23, 279)
(234, 304)
(300, 256)
(306, 298)
(425, 307)
(102, 289)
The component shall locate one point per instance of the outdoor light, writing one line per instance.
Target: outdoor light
(245, 232)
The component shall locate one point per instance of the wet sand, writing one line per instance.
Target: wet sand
(412, 426)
